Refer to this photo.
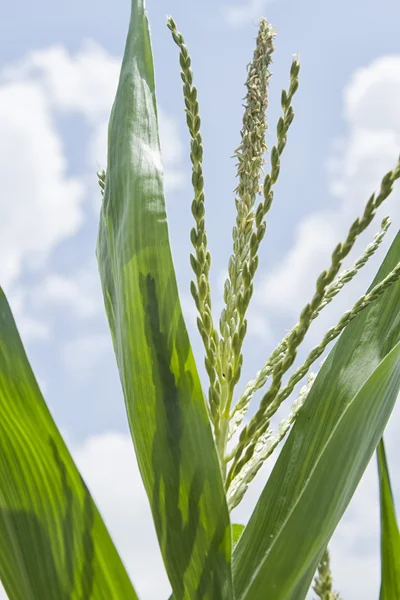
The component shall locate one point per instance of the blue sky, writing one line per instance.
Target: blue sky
(58, 72)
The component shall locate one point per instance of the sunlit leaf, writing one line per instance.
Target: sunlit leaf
(237, 531)
(163, 395)
(390, 536)
(53, 542)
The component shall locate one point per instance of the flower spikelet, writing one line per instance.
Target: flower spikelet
(201, 259)
(250, 156)
(331, 292)
(258, 423)
(323, 580)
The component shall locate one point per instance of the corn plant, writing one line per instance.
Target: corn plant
(196, 446)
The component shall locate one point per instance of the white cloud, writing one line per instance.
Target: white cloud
(249, 11)
(80, 293)
(85, 83)
(371, 97)
(30, 329)
(82, 355)
(258, 327)
(315, 235)
(355, 169)
(40, 205)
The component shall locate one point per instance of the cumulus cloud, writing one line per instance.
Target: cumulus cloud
(85, 83)
(80, 293)
(248, 11)
(40, 204)
(30, 329)
(82, 355)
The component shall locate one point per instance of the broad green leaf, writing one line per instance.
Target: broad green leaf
(237, 531)
(53, 542)
(331, 482)
(325, 454)
(390, 536)
(163, 395)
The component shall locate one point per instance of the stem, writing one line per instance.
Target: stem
(222, 439)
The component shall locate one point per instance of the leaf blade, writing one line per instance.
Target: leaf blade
(237, 530)
(362, 347)
(53, 542)
(163, 395)
(390, 535)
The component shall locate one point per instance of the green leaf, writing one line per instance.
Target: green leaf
(237, 531)
(331, 483)
(53, 542)
(390, 536)
(163, 395)
(325, 454)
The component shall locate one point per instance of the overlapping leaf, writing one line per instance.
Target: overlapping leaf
(325, 455)
(164, 399)
(390, 535)
(237, 531)
(53, 542)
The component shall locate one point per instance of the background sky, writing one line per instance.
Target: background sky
(59, 65)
